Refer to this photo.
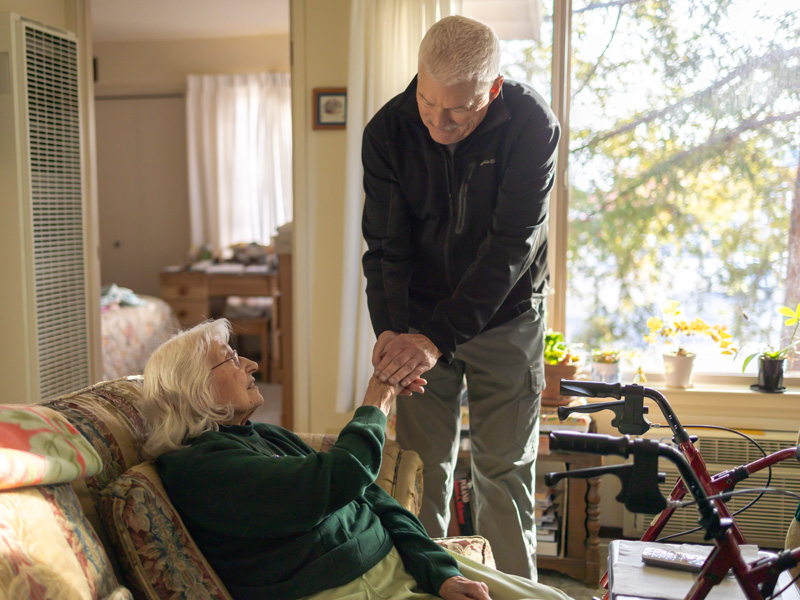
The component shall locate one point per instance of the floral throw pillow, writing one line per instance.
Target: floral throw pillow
(38, 446)
(157, 554)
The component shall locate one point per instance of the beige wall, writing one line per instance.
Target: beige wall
(17, 320)
(139, 67)
(56, 13)
(320, 32)
(141, 137)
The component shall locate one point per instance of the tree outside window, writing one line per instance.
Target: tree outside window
(684, 167)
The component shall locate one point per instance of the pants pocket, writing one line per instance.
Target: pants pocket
(528, 406)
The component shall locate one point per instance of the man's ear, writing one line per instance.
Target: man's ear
(497, 84)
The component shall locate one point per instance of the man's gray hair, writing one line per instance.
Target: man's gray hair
(457, 49)
(178, 402)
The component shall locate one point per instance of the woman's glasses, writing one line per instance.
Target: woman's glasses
(234, 358)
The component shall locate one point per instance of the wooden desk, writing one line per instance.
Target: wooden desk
(580, 540)
(197, 296)
(580, 556)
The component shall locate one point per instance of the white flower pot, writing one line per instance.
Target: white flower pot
(605, 372)
(678, 370)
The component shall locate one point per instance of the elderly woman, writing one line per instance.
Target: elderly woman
(276, 519)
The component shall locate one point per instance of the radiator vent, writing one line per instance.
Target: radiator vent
(766, 522)
(59, 270)
(738, 451)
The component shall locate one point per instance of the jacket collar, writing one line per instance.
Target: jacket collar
(406, 106)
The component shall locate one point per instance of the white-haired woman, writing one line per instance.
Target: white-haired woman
(276, 519)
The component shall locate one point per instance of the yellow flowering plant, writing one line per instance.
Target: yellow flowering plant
(674, 325)
(606, 356)
(793, 318)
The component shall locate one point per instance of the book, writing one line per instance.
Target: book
(549, 421)
(463, 505)
(548, 517)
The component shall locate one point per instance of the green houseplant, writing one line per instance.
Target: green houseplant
(561, 361)
(672, 328)
(772, 361)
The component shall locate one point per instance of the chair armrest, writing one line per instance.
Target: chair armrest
(400, 474)
(475, 547)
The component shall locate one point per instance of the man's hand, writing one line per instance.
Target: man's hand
(461, 588)
(380, 347)
(403, 357)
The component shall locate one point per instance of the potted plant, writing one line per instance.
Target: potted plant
(772, 362)
(561, 361)
(679, 362)
(605, 365)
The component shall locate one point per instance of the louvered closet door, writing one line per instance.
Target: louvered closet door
(57, 210)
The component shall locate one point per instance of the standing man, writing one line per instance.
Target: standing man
(457, 173)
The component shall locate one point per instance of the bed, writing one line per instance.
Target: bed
(131, 331)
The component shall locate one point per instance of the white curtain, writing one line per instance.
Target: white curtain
(384, 39)
(239, 137)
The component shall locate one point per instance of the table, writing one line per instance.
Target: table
(580, 557)
(630, 579)
(580, 541)
(196, 296)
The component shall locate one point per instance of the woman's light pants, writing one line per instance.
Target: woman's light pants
(389, 580)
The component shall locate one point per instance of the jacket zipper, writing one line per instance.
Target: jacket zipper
(448, 163)
(462, 200)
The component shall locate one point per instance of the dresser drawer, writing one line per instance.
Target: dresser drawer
(184, 286)
(190, 312)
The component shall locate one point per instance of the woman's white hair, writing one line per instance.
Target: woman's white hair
(457, 49)
(178, 401)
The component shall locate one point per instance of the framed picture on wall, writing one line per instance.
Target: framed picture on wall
(330, 108)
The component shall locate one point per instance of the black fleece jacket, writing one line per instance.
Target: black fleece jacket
(457, 245)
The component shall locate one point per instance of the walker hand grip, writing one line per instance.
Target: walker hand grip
(590, 443)
(590, 389)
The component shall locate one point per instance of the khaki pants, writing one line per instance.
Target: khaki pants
(504, 371)
(389, 580)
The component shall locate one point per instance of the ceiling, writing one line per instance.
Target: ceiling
(147, 20)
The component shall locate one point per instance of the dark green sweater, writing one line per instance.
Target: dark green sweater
(278, 520)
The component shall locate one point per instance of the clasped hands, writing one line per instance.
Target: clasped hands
(401, 358)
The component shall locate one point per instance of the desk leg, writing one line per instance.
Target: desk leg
(593, 530)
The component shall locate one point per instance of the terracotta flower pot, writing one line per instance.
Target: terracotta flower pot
(678, 370)
(770, 374)
(553, 374)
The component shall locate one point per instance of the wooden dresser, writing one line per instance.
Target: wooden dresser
(197, 296)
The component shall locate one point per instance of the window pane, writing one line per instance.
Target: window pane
(684, 165)
(529, 61)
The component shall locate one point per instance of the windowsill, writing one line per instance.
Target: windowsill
(732, 405)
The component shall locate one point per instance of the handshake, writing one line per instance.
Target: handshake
(399, 360)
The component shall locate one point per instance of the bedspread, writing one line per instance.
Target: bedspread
(131, 333)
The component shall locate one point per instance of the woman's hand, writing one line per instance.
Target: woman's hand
(461, 588)
(382, 394)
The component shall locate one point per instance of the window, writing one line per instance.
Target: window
(684, 169)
